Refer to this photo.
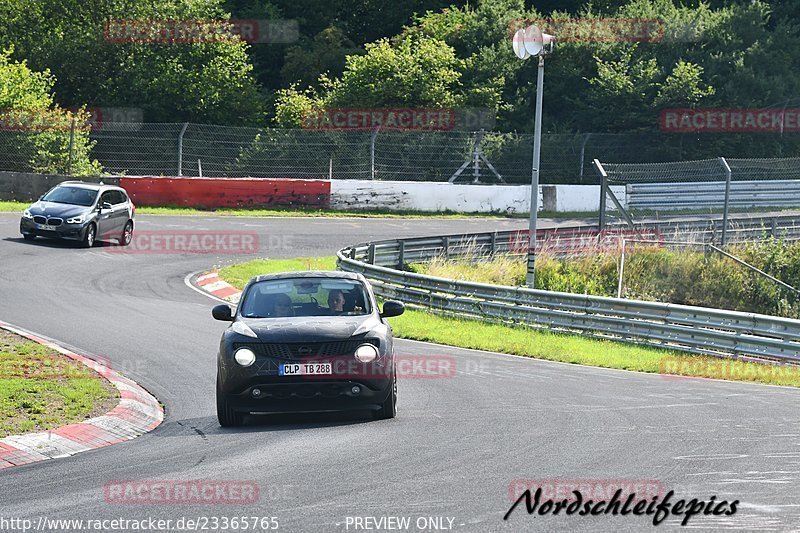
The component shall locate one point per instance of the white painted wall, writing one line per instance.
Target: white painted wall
(426, 196)
(584, 197)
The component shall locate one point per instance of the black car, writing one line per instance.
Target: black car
(306, 342)
(80, 211)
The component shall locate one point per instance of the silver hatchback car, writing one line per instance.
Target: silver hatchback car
(81, 211)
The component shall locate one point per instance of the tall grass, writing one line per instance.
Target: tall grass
(682, 276)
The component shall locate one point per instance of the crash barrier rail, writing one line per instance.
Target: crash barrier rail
(743, 194)
(698, 185)
(685, 328)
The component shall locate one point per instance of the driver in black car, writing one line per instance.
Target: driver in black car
(336, 302)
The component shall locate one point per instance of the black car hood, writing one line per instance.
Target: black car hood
(54, 209)
(310, 328)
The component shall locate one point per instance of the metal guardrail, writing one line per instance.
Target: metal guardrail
(691, 329)
(743, 194)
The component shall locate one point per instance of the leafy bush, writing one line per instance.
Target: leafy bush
(664, 275)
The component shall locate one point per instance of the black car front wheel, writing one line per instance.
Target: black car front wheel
(389, 406)
(28, 236)
(225, 414)
(88, 237)
(127, 234)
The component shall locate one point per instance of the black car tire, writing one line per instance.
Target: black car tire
(227, 417)
(28, 236)
(127, 234)
(89, 236)
(389, 406)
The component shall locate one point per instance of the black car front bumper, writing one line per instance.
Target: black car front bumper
(262, 389)
(311, 396)
(70, 232)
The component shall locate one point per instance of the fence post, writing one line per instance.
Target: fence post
(71, 145)
(180, 148)
(583, 152)
(372, 139)
(603, 188)
(727, 199)
(621, 269)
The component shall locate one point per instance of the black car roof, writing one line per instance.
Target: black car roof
(310, 274)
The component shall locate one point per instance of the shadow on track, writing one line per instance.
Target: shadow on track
(208, 426)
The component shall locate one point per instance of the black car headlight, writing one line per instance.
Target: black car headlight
(244, 356)
(80, 219)
(27, 214)
(366, 353)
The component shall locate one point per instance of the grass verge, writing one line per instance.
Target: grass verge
(464, 333)
(13, 207)
(41, 389)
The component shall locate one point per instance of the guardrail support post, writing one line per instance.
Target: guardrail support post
(446, 247)
(401, 255)
(727, 199)
(774, 228)
(493, 250)
(371, 254)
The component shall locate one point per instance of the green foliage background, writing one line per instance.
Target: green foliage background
(417, 53)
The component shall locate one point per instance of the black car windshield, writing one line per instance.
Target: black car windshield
(291, 297)
(71, 195)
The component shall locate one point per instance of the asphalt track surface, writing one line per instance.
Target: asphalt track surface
(456, 446)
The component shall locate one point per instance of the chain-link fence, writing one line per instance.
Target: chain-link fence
(707, 185)
(472, 157)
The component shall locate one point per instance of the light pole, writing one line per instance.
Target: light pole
(531, 42)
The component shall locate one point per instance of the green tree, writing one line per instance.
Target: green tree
(171, 81)
(35, 132)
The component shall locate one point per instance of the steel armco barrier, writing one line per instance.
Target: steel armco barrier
(691, 329)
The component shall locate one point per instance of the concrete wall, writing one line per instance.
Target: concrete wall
(422, 196)
(226, 192)
(338, 194)
(567, 198)
(26, 187)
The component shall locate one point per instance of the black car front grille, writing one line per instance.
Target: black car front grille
(39, 219)
(301, 350)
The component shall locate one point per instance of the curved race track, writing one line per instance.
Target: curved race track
(454, 449)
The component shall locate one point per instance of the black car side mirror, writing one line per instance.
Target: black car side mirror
(392, 308)
(222, 312)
